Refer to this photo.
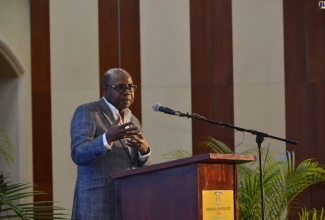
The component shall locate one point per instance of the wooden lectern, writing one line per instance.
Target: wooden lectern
(173, 190)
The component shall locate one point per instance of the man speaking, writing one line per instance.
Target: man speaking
(105, 138)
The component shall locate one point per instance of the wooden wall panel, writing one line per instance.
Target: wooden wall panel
(316, 131)
(304, 31)
(108, 36)
(211, 70)
(201, 74)
(315, 56)
(222, 69)
(119, 41)
(41, 98)
(130, 47)
(315, 37)
(295, 73)
(296, 118)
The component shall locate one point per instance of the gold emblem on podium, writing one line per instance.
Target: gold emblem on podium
(218, 204)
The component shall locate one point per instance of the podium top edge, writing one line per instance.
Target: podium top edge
(237, 158)
(211, 158)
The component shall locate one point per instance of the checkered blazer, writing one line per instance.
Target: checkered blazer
(96, 195)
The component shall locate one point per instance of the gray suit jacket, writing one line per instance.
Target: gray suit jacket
(96, 195)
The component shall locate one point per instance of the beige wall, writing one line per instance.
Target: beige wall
(166, 74)
(15, 92)
(74, 81)
(165, 68)
(259, 71)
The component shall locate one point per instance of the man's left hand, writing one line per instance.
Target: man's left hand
(139, 143)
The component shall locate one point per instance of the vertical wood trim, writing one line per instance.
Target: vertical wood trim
(304, 32)
(108, 35)
(130, 47)
(315, 56)
(295, 74)
(41, 97)
(128, 34)
(211, 70)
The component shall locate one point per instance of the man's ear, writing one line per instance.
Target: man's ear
(104, 89)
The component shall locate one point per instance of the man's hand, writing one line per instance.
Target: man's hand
(139, 143)
(117, 132)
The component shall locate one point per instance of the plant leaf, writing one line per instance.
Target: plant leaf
(11, 194)
(6, 148)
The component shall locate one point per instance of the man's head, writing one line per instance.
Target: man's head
(118, 88)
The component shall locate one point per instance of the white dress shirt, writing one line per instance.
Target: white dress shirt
(127, 118)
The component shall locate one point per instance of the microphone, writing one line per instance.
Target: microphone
(157, 107)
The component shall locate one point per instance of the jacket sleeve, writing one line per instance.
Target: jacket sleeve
(146, 162)
(85, 147)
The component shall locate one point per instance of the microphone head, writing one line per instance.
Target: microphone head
(155, 107)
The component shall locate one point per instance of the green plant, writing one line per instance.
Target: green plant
(12, 193)
(283, 182)
(312, 214)
(176, 154)
(6, 148)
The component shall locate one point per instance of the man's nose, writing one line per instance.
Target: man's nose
(126, 91)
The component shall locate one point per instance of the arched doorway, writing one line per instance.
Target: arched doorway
(10, 70)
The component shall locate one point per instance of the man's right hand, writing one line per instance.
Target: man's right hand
(117, 132)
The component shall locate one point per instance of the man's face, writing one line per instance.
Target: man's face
(119, 100)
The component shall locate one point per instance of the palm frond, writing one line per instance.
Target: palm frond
(306, 174)
(216, 146)
(11, 195)
(6, 148)
(176, 155)
(312, 214)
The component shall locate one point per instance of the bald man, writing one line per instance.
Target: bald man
(106, 137)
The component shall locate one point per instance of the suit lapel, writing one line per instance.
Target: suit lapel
(106, 111)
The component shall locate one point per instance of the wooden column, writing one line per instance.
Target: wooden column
(304, 34)
(211, 70)
(119, 41)
(41, 97)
